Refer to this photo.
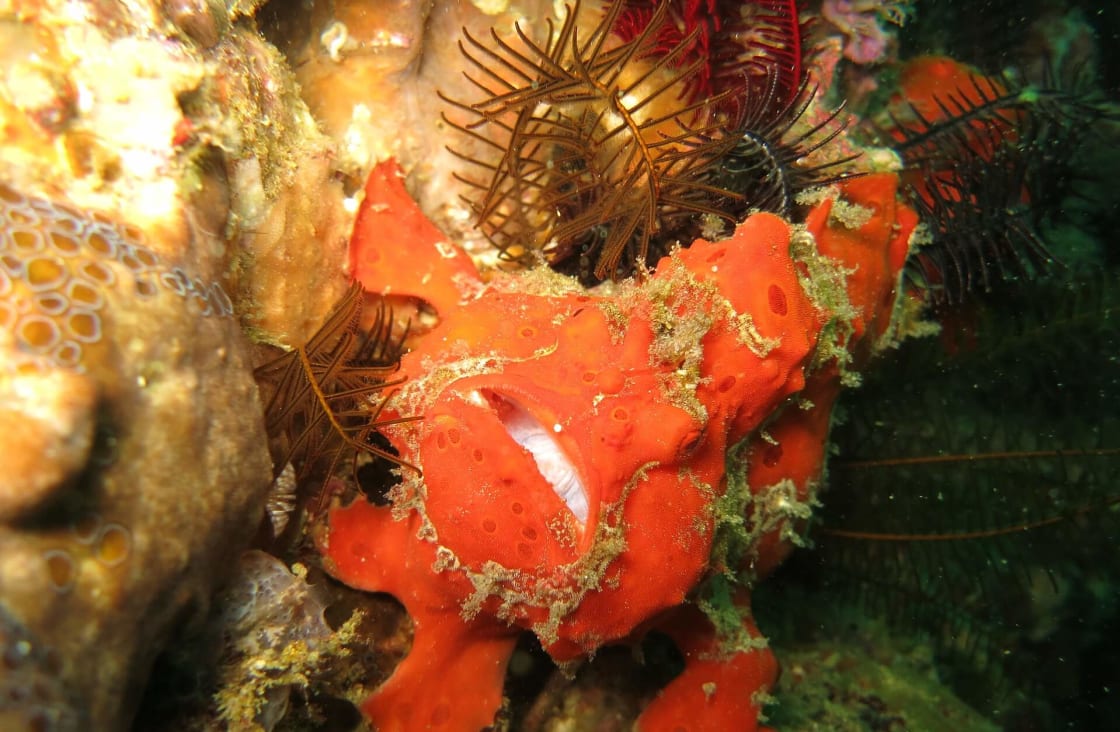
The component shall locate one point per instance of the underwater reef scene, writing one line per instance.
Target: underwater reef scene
(658, 365)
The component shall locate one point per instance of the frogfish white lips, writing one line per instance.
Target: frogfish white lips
(537, 439)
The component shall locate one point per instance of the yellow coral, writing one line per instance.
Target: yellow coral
(56, 263)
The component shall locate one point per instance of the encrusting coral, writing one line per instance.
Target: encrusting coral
(126, 387)
(148, 189)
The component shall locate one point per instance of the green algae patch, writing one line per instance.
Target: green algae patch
(865, 680)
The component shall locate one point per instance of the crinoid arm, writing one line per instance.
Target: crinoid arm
(324, 399)
(585, 150)
(980, 221)
(768, 164)
(988, 165)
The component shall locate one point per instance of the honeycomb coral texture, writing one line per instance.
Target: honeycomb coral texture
(55, 266)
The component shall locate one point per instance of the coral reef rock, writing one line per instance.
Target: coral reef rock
(137, 460)
(158, 175)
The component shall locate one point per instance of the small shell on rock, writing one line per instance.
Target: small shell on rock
(281, 500)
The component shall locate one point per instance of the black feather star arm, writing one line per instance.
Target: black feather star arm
(588, 155)
(767, 168)
(324, 399)
(981, 220)
(985, 172)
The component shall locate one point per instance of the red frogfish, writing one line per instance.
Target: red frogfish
(573, 451)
